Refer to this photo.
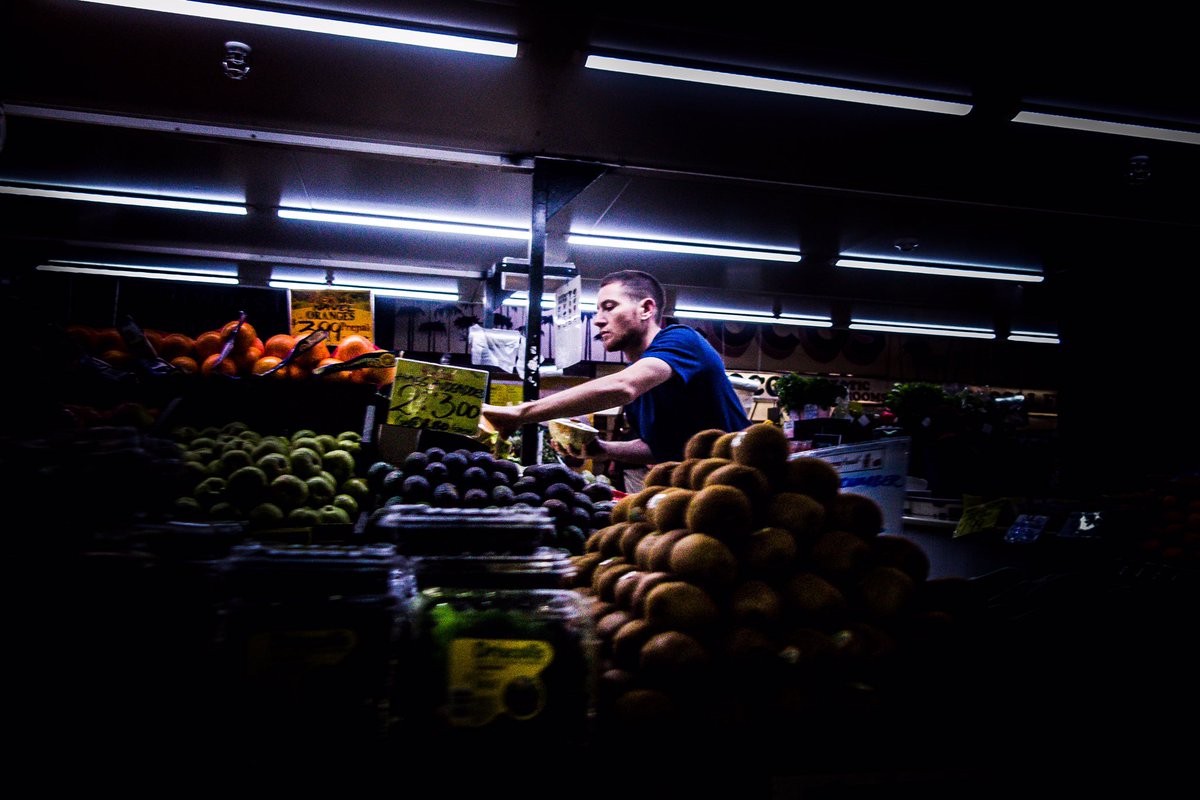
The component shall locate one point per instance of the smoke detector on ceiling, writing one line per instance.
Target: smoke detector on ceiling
(235, 61)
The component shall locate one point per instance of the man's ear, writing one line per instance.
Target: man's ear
(647, 308)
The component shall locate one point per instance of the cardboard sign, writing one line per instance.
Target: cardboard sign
(506, 394)
(340, 312)
(877, 469)
(437, 397)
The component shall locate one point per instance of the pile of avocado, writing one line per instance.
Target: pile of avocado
(477, 479)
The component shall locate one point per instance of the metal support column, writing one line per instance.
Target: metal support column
(555, 183)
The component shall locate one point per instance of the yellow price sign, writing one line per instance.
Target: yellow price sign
(506, 394)
(340, 312)
(980, 517)
(437, 397)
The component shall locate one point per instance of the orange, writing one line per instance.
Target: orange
(185, 364)
(247, 359)
(380, 376)
(279, 345)
(208, 344)
(176, 344)
(226, 367)
(353, 345)
(121, 359)
(333, 376)
(84, 336)
(109, 339)
(296, 372)
(268, 362)
(155, 338)
(314, 356)
(245, 335)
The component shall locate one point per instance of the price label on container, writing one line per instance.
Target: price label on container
(437, 397)
(506, 394)
(980, 517)
(339, 312)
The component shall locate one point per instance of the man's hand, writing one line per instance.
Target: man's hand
(576, 456)
(505, 419)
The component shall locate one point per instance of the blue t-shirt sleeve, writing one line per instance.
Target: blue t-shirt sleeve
(678, 350)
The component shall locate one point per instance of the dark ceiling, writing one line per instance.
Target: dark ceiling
(681, 161)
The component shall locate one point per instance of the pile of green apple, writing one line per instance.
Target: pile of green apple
(233, 473)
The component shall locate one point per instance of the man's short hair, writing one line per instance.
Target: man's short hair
(639, 285)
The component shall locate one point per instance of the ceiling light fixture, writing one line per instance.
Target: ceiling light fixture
(382, 290)
(299, 22)
(161, 273)
(127, 200)
(407, 223)
(1037, 337)
(1106, 126)
(692, 248)
(940, 268)
(893, 326)
(776, 85)
(763, 318)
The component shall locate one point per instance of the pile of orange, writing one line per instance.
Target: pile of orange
(250, 355)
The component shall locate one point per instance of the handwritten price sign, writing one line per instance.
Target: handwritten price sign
(437, 397)
(340, 312)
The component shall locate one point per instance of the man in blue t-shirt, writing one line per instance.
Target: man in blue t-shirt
(674, 387)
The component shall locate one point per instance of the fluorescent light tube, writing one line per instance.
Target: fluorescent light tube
(1103, 126)
(890, 326)
(127, 200)
(737, 81)
(383, 291)
(963, 271)
(298, 22)
(436, 226)
(137, 271)
(1036, 337)
(728, 315)
(693, 248)
(520, 298)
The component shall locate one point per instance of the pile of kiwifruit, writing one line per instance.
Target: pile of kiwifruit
(741, 585)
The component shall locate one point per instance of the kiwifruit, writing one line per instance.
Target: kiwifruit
(754, 602)
(584, 566)
(672, 653)
(598, 609)
(762, 446)
(700, 445)
(640, 709)
(885, 592)
(637, 509)
(812, 600)
(720, 511)
(860, 641)
(722, 446)
(660, 474)
(812, 476)
(668, 509)
(620, 509)
(660, 551)
(807, 647)
(856, 513)
(646, 582)
(610, 542)
(770, 551)
(798, 513)
(897, 551)
(613, 683)
(606, 583)
(641, 552)
(704, 560)
(628, 641)
(749, 480)
(749, 645)
(633, 533)
(681, 476)
(623, 589)
(839, 553)
(681, 606)
(604, 566)
(607, 627)
(703, 468)
(592, 543)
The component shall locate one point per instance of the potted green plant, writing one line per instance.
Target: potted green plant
(807, 396)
